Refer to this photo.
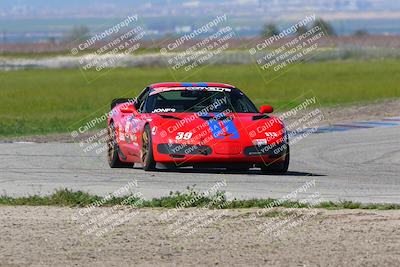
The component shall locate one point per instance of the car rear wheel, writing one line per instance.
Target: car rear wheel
(147, 150)
(278, 167)
(113, 150)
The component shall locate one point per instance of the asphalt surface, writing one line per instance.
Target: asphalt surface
(359, 165)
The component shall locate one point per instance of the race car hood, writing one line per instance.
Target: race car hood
(192, 128)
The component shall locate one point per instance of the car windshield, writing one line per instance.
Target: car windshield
(225, 100)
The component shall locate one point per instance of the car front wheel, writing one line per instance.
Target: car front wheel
(278, 167)
(147, 150)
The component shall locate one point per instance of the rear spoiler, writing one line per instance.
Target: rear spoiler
(118, 101)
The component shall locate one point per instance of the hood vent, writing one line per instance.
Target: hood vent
(215, 118)
(169, 117)
(260, 117)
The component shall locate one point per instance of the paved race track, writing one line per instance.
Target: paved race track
(360, 165)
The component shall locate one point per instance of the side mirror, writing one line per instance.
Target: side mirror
(128, 108)
(266, 109)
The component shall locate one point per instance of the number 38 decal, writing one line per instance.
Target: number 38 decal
(183, 135)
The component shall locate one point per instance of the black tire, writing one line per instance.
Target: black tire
(113, 151)
(147, 150)
(278, 167)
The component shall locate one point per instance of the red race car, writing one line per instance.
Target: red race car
(212, 125)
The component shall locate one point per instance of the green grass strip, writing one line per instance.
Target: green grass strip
(191, 198)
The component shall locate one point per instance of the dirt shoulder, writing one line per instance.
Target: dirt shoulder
(51, 236)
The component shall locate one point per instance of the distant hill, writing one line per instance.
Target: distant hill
(107, 8)
(27, 21)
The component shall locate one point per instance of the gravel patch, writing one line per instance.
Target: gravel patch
(50, 236)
